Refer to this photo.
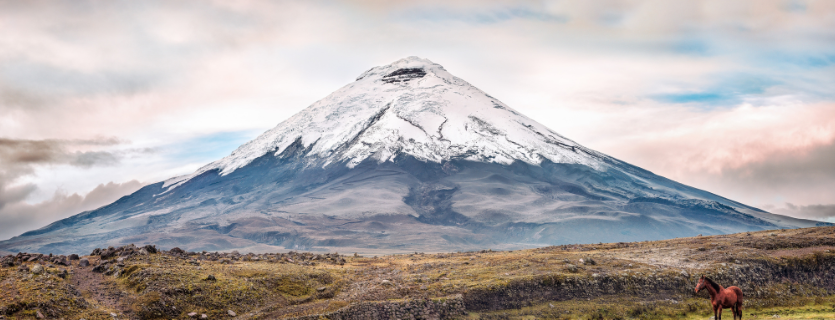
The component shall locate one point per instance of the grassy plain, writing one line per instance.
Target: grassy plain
(785, 273)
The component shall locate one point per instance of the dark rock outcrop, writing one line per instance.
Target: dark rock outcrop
(443, 308)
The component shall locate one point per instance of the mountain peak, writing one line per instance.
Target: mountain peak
(412, 106)
(405, 69)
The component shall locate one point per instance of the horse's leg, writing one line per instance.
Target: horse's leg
(720, 312)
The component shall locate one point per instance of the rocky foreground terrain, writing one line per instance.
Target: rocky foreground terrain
(783, 273)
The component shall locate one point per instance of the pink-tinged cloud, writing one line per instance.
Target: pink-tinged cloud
(712, 142)
(758, 155)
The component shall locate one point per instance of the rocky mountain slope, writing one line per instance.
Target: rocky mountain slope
(406, 158)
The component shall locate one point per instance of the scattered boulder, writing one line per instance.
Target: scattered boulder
(7, 262)
(110, 253)
(62, 273)
(73, 257)
(571, 268)
(23, 268)
(123, 251)
(150, 248)
(176, 250)
(192, 314)
(204, 316)
(231, 313)
(100, 268)
(210, 278)
(37, 269)
(83, 263)
(39, 315)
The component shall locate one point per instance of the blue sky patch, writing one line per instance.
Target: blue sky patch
(809, 61)
(691, 47)
(208, 148)
(698, 97)
(727, 90)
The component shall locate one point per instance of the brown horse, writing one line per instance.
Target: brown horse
(730, 297)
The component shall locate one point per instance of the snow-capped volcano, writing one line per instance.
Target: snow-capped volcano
(414, 107)
(406, 158)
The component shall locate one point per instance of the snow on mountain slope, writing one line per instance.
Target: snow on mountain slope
(412, 106)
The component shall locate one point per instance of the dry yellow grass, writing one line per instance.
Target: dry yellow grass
(542, 283)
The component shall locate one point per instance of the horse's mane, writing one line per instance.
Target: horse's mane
(712, 284)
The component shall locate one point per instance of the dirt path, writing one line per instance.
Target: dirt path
(101, 292)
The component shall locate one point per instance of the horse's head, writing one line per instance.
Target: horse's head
(701, 284)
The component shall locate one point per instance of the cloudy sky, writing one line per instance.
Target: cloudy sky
(98, 98)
